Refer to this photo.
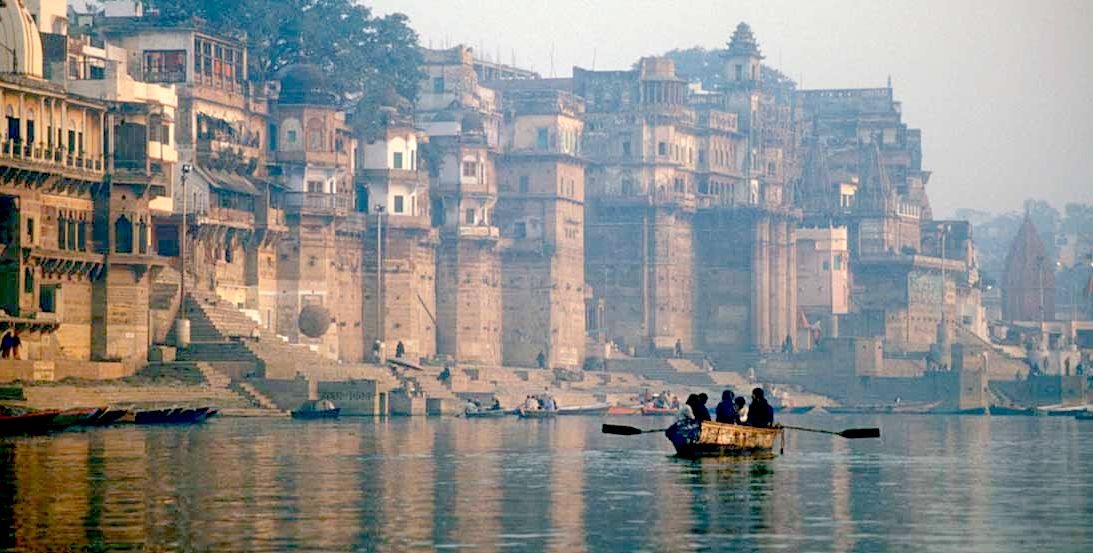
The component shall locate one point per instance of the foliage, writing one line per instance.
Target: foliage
(359, 52)
(698, 64)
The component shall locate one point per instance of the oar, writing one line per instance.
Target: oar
(850, 433)
(626, 430)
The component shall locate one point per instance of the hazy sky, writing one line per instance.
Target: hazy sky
(1002, 90)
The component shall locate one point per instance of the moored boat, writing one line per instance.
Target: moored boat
(714, 439)
(72, 417)
(1084, 416)
(105, 417)
(649, 410)
(489, 413)
(321, 409)
(38, 422)
(594, 409)
(799, 410)
(623, 410)
(536, 413)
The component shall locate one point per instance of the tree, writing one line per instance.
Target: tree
(358, 52)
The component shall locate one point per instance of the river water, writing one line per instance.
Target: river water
(932, 483)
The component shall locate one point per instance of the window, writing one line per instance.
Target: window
(398, 204)
(470, 168)
(14, 129)
(542, 139)
(290, 136)
(662, 149)
(397, 164)
(123, 235)
(525, 184)
(61, 234)
(71, 234)
(47, 298)
(165, 66)
(315, 186)
(702, 156)
(520, 231)
(81, 237)
(626, 149)
(228, 253)
(770, 169)
(469, 217)
(627, 187)
(827, 265)
(30, 230)
(739, 72)
(28, 281)
(438, 85)
(838, 262)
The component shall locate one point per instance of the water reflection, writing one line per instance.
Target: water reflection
(932, 484)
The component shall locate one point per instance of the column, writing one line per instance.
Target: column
(777, 284)
(759, 297)
(791, 280)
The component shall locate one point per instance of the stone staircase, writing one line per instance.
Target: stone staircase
(682, 372)
(248, 391)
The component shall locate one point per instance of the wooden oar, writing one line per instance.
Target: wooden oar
(626, 430)
(850, 433)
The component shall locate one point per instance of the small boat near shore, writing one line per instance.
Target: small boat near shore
(176, 415)
(1000, 411)
(798, 410)
(714, 439)
(598, 409)
(1084, 416)
(489, 413)
(650, 411)
(38, 422)
(317, 409)
(536, 413)
(622, 410)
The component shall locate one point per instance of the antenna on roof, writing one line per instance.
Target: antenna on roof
(552, 60)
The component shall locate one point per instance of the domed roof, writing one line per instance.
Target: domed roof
(305, 84)
(19, 34)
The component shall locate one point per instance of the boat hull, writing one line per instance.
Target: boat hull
(536, 414)
(489, 414)
(659, 411)
(621, 410)
(317, 414)
(600, 409)
(714, 439)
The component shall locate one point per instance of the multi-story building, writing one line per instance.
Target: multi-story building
(540, 212)
(77, 246)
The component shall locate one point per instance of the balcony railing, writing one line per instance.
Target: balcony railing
(478, 231)
(316, 203)
(57, 157)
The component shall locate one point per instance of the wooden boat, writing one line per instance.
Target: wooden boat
(999, 411)
(105, 417)
(799, 410)
(1084, 416)
(650, 411)
(714, 439)
(536, 413)
(489, 413)
(177, 415)
(623, 410)
(72, 417)
(594, 409)
(38, 422)
(321, 409)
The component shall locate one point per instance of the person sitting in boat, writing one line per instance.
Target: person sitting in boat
(726, 410)
(698, 407)
(549, 404)
(471, 407)
(686, 414)
(760, 413)
(741, 409)
(496, 405)
(531, 404)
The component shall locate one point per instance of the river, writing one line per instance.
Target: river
(931, 483)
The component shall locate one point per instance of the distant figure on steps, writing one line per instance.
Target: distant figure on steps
(400, 350)
(541, 359)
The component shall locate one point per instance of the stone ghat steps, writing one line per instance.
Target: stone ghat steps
(68, 397)
(662, 370)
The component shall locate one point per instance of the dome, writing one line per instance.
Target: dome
(19, 34)
(314, 321)
(305, 84)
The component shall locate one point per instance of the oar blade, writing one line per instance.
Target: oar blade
(856, 433)
(620, 430)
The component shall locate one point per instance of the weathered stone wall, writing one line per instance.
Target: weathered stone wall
(306, 273)
(724, 285)
(120, 316)
(469, 300)
(347, 307)
(409, 288)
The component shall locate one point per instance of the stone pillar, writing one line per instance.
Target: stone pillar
(791, 279)
(761, 285)
(777, 283)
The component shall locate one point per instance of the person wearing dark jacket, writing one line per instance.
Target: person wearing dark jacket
(726, 411)
(760, 413)
(698, 405)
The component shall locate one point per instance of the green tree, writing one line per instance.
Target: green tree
(358, 51)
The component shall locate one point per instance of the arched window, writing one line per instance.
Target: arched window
(143, 237)
(28, 281)
(62, 234)
(123, 235)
